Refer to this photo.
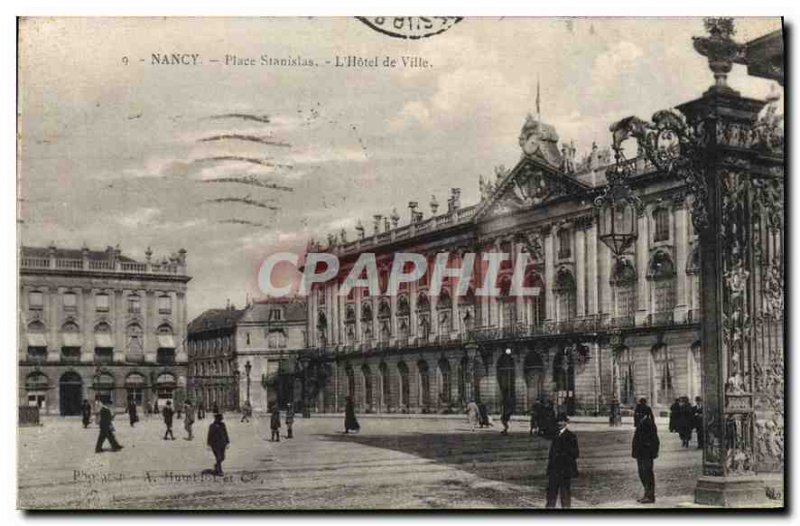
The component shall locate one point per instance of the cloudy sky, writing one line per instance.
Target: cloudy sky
(132, 153)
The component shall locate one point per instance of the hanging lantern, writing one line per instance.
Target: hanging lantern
(618, 209)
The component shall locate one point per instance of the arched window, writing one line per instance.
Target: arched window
(165, 350)
(366, 320)
(565, 290)
(445, 310)
(366, 374)
(662, 273)
(424, 384)
(625, 368)
(444, 381)
(623, 279)
(661, 224)
(663, 375)
(134, 346)
(423, 315)
(71, 342)
(322, 329)
(535, 305)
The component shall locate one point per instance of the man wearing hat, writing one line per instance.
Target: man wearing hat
(218, 441)
(645, 449)
(561, 464)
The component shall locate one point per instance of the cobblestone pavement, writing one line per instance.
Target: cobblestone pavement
(390, 464)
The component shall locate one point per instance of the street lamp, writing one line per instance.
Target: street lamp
(618, 206)
(247, 369)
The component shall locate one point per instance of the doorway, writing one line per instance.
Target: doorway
(70, 394)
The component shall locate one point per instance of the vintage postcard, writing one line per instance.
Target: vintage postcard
(400, 263)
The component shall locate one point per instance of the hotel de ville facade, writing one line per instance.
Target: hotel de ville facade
(603, 329)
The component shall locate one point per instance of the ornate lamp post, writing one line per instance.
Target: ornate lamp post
(618, 209)
(247, 369)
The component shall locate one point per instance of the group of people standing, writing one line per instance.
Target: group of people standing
(275, 422)
(685, 418)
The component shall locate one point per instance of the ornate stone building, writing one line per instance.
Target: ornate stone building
(248, 354)
(100, 325)
(601, 327)
(213, 376)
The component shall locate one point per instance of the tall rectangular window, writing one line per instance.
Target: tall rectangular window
(35, 300)
(70, 301)
(661, 225)
(275, 315)
(164, 304)
(101, 302)
(134, 305)
(564, 244)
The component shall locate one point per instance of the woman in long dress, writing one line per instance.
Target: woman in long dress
(473, 414)
(350, 422)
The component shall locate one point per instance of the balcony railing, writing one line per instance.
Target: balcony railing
(661, 318)
(101, 265)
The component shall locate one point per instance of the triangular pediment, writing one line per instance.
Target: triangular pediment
(531, 183)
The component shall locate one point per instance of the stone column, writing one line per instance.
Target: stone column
(593, 289)
(603, 281)
(148, 313)
(681, 251)
(181, 353)
(87, 328)
(118, 327)
(642, 257)
(53, 325)
(580, 271)
(549, 275)
(520, 387)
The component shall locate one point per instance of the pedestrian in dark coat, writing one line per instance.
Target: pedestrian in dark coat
(218, 441)
(86, 413)
(350, 421)
(697, 418)
(275, 424)
(105, 420)
(484, 412)
(674, 409)
(168, 413)
(547, 424)
(562, 465)
(506, 410)
(289, 420)
(215, 408)
(536, 415)
(201, 410)
(645, 449)
(684, 421)
(155, 407)
(132, 413)
(188, 419)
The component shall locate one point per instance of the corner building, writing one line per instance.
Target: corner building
(601, 328)
(99, 325)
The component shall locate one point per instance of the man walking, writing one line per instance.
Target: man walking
(105, 420)
(505, 415)
(562, 466)
(536, 414)
(247, 411)
(131, 410)
(697, 418)
(289, 420)
(275, 423)
(188, 419)
(218, 441)
(645, 450)
(86, 413)
(167, 413)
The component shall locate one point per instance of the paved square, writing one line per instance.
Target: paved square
(393, 463)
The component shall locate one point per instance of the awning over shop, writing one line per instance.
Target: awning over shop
(165, 380)
(71, 339)
(134, 380)
(103, 340)
(103, 381)
(166, 341)
(37, 339)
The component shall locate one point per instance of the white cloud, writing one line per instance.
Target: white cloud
(138, 217)
(610, 67)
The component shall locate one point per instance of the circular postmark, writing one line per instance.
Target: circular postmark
(410, 27)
